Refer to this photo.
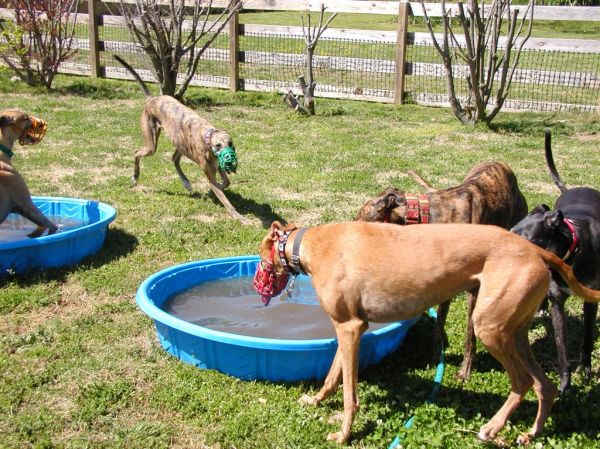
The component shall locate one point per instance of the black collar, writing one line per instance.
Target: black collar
(294, 266)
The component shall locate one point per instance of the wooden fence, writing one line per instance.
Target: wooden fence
(396, 68)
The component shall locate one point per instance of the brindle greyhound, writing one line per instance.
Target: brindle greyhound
(361, 273)
(489, 194)
(14, 194)
(192, 137)
(572, 231)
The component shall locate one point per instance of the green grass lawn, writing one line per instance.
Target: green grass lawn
(80, 366)
(541, 28)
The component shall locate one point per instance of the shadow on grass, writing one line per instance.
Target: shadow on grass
(117, 244)
(263, 211)
(528, 124)
(394, 376)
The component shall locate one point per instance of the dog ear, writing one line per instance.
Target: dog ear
(392, 199)
(290, 226)
(6, 120)
(553, 219)
(275, 231)
(539, 209)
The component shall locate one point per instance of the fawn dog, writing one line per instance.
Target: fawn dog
(14, 194)
(489, 194)
(572, 231)
(361, 273)
(192, 137)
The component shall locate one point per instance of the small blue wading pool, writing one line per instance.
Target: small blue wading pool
(82, 230)
(227, 337)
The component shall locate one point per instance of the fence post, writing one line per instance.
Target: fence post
(401, 39)
(93, 23)
(234, 50)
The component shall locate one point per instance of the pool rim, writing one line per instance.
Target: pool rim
(147, 305)
(109, 211)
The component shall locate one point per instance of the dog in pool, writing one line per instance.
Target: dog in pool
(14, 194)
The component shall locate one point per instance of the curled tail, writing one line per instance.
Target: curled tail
(135, 74)
(566, 272)
(550, 161)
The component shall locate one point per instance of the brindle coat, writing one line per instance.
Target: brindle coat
(489, 194)
(186, 130)
(14, 194)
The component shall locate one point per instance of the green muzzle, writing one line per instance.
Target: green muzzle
(227, 158)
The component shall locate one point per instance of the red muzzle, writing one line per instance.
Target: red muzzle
(267, 282)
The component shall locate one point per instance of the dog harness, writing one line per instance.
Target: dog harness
(573, 247)
(226, 157)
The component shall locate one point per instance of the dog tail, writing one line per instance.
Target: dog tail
(419, 180)
(135, 74)
(566, 272)
(550, 161)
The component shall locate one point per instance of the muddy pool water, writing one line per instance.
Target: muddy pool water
(232, 306)
(16, 227)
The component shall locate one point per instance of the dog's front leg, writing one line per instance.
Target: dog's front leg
(348, 334)
(216, 189)
(590, 310)
(469, 352)
(559, 322)
(332, 381)
(224, 178)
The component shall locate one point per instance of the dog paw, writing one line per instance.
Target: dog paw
(338, 437)
(308, 400)
(524, 439)
(187, 185)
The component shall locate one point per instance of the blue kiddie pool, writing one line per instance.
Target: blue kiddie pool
(206, 343)
(82, 230)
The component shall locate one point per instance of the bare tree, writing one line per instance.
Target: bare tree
(175, 34)
(39, 38)
(490, 60)
(307, 81)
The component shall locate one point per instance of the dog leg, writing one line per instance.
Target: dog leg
(216, 189)
(224, 178)
(557, 300)
(33, 214)
(332, 382)
(544, 389)
(150, 133)
(590, 310)
(440, 338)
(176, 158)
(469, 350)
(348, 334)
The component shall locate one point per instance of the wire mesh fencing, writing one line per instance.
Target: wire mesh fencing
(355, 64)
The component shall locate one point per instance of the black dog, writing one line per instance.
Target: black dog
(571, 231)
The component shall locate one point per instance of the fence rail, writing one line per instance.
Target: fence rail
(384, 66)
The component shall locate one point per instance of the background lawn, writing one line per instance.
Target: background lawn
(80, 366)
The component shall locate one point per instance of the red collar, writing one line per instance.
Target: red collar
(417, 208)
(575, 239)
